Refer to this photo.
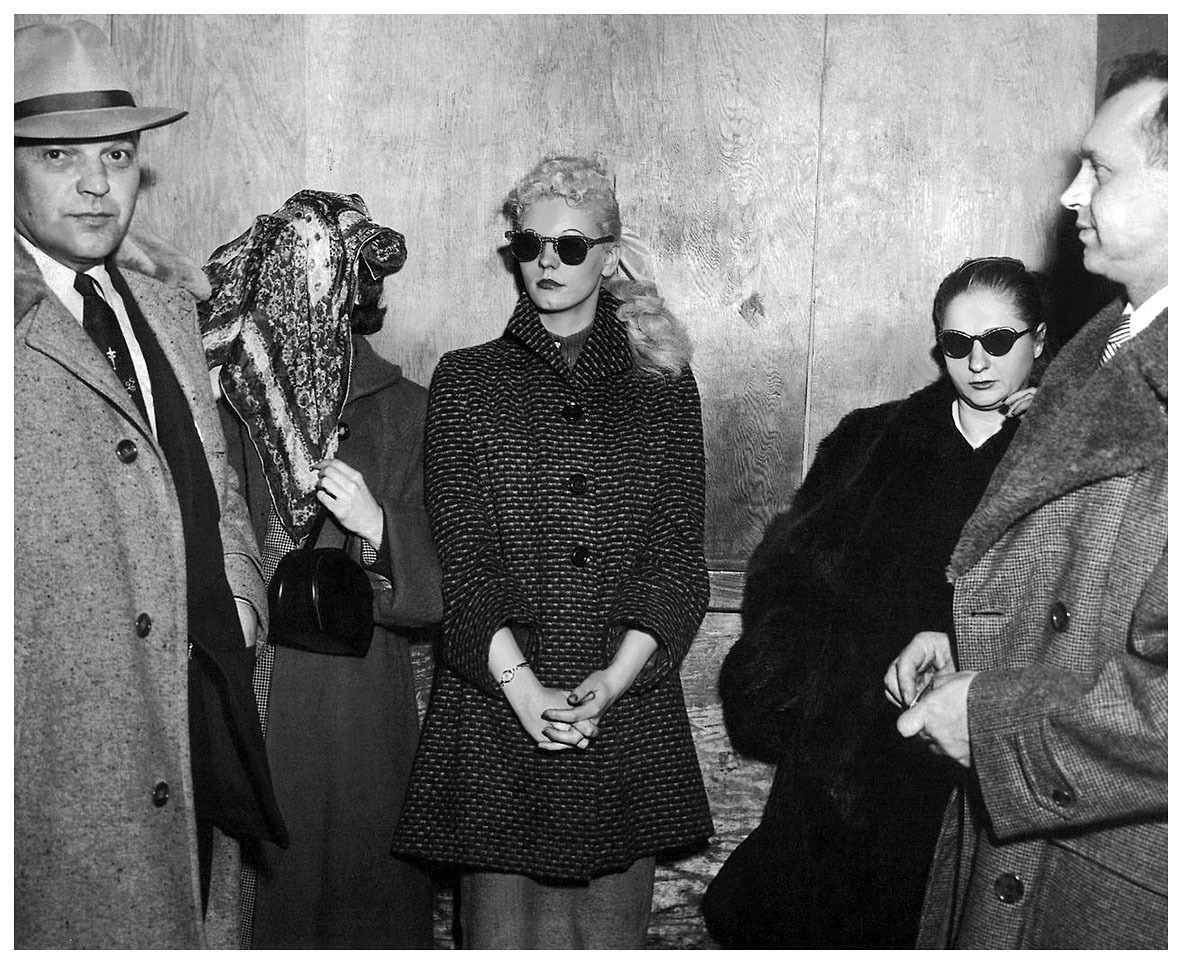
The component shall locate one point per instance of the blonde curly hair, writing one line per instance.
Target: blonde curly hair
(660, 342)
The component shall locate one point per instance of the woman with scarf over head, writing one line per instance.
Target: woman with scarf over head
(323, 425)
(837, 586)
(565, 488)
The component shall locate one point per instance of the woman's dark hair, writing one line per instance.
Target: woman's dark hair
(368, 313)
(1029, 291)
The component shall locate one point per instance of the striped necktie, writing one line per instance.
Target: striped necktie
(1119, 336)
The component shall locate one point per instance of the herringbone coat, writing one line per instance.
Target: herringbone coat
(1061, 605)
(568, 503)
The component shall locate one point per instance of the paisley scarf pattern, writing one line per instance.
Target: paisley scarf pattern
(278, 322)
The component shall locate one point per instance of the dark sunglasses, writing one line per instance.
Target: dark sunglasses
(527, 245)
(996, 342)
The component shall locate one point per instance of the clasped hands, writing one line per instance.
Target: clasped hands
(559, 720)
(934, 695)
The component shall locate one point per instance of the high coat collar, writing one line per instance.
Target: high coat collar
(1088, 423)
(371, 372)
(607, 350)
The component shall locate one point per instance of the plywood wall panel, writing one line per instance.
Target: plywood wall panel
(709, 126)
(943, 138)
(240, 152)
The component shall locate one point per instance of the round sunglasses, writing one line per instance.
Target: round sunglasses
(996, 342)
(526, 245)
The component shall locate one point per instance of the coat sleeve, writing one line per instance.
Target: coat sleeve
(479, 594)
(787, 603)
(666, 591)
(1056, 750)
(407, 558)
(240, 546)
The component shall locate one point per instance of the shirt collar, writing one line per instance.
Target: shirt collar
(59, 278)
(1148, 311)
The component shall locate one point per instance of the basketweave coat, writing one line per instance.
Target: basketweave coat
(1060, 603)
(568, 503)
(100, 713)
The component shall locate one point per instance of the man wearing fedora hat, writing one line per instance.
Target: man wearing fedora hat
(138, 592)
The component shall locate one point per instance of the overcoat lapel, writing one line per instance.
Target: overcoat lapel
(157, 302)
(56, 333)
(1088, 422)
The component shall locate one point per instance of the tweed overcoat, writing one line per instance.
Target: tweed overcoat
(568, 504)
(101, 707)
(1060, 604)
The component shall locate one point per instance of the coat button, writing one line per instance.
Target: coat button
(1064, 796)
(1060, 616)
(160, 794)
(577, 484)
(127, 451)
(1008, 889)
(580, 556)
(342, 431)
(572, 411)
(143, 625)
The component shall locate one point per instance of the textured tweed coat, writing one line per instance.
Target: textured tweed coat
(101, 712)
(568, 503)
(838, 585)
(1061, 605)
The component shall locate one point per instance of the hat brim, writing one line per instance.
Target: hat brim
(101, 122)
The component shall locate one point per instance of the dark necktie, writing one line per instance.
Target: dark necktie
(102, 326)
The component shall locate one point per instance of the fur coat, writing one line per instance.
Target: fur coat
(836, 588)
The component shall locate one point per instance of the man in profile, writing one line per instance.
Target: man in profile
(1056, 697)
(137, 587)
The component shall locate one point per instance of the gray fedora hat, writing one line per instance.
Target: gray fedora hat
(69, 86)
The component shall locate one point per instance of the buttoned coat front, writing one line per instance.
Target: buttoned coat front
(1061, 605)
(105, 841)
(569, 505)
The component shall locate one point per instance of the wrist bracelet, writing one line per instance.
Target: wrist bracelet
(508, 674)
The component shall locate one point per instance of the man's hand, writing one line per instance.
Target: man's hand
(929, 655)
(940, 717)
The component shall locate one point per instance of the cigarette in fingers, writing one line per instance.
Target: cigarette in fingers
(927, 688)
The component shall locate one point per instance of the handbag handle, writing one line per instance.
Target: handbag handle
(318, 525)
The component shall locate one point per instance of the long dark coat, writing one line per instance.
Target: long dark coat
(101, 654)
(569, 503)
(342, 731)
(839, 584)
(1061, 605)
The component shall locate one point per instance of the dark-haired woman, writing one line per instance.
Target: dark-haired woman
(565, 489)
(319, 423)
(839, 584)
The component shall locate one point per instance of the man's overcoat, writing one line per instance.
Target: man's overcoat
(105, 841)
(1061, 604)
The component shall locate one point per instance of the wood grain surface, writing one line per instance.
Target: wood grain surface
(803, 182)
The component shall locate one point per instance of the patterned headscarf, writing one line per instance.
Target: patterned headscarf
(278, 323)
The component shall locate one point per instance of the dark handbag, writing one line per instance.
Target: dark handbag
(320, 600)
